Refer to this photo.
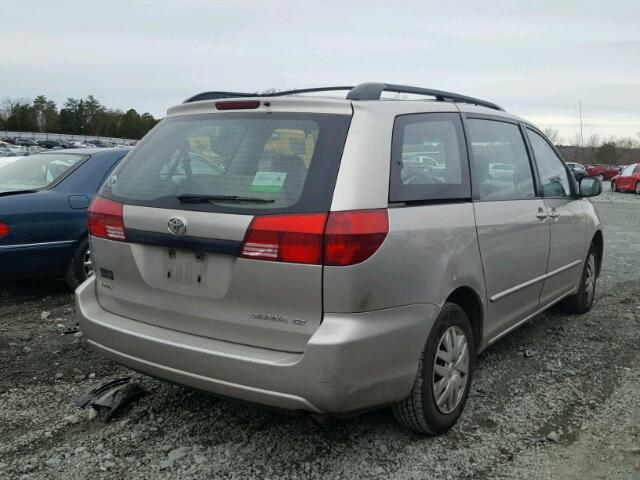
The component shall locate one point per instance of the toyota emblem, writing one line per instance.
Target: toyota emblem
(177, 226)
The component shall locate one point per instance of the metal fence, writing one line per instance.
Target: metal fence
(64, 136)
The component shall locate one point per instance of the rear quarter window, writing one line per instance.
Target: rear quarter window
(428, 159)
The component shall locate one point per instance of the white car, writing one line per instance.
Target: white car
(10, 150)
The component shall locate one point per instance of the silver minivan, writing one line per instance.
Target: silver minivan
(335, 255)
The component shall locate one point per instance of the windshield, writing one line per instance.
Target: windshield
(628, 170)
(234, 162)
(36, 171)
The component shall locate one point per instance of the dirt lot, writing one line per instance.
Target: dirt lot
(558, 398)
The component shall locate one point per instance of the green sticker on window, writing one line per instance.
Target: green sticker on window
(268, 181)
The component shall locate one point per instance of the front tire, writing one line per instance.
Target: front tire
(80, 266)
(445, 372)
(614, 187)
(582, 301)
(637, 188)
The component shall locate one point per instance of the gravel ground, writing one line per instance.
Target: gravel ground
(558, 398)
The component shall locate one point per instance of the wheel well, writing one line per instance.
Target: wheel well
(467, 299)
(598, 242)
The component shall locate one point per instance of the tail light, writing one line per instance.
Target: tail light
(4, 229)
(286, 238)
(352, 237)
(337, 238)
(106, 220)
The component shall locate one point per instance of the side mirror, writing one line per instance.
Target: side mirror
(590, 187)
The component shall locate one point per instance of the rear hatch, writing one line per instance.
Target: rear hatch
(187, 197)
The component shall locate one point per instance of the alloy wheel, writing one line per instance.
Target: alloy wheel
(590, 279)
(450, 369)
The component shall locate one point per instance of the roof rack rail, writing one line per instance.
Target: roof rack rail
(364, 91)
(307, 90)
(217, 95)
(373, 91)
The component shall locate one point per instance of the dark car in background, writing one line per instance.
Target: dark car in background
(602, 171)
(43, 213)
(578, 170)
(50, 144)
(97, 143)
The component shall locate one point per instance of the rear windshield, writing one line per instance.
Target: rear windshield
(36, 171)
(235, 162)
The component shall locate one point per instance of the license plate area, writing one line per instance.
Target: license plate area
(185, 267)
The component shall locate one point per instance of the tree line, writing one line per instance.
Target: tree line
(77, 116)
(597, 149)
(592, 141)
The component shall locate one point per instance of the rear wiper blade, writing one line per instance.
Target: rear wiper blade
(189, 198)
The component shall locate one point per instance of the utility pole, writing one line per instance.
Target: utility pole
(581, 134)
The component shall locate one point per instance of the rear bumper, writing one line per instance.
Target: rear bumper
(352, 362)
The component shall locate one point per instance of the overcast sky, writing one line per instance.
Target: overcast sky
(536, 61)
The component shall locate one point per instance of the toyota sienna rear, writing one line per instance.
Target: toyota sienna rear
(304, 253)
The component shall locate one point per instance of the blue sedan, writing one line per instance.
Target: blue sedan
(44, 200)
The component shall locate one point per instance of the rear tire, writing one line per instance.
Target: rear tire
(80, 266)
(582, 301)
(451, 380)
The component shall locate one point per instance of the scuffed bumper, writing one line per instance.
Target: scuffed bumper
(352, 362)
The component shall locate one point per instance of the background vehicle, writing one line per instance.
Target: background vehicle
(50, 144)
(416, 163)
(43, 212)
(602, 171)
(97, 143)
(501, 171)
(577, 169)
(26, 142)
(11, 150)
(628, 180)
(361, 279)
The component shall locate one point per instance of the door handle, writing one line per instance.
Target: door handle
(541, 214)
(554, 213)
